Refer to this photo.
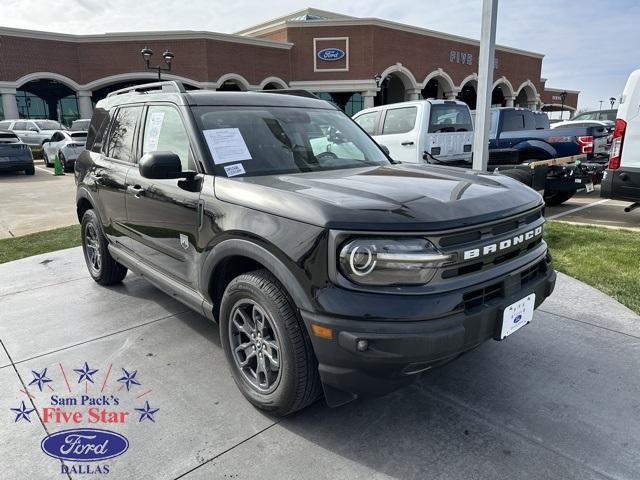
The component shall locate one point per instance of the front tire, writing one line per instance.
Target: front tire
(101, 265)
(266, 345)
(30, 170)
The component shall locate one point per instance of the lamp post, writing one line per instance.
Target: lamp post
(378, 79)
(601, 104)
(168, 56)
(563, 97)
(612, 100)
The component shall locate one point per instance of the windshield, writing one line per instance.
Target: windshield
(48, 125)
(80, 125)
(268, 140)
(449, 118)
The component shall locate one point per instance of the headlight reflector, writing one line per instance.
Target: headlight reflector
(390, 261)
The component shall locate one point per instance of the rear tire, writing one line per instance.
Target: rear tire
(553, 199)
(30, 170)
(45, 157)
(101, 265)
(256, 302)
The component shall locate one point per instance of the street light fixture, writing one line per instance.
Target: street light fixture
(168, 56)
(378, 78)
(563, 97)
(612, 100)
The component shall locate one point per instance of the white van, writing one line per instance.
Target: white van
(621, 180)
(421, 131)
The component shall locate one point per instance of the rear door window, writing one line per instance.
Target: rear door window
(20, 126)
(541, 121)
(368, 122)
(97, 129)
(449, 118)
(399, 120)
(513, 120)
(122, 134)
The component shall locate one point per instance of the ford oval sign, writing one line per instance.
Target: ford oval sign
(517, 319)
(331, 54)
(84, 444)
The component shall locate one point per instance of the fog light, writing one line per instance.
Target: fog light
(362, 345)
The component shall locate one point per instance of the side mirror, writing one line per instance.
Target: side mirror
(33, 129)
(161, 165)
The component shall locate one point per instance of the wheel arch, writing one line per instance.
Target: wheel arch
(234, 257)
(84, 202)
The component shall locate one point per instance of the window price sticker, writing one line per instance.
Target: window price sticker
(233, 170)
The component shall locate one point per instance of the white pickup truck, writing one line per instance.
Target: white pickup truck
(421, 131)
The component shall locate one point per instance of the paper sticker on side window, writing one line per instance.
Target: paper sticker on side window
(155, 125)
(233, 170)
(226, 145)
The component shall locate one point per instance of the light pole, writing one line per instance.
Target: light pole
(612, 100)
(378, 79)
(168, 56)
(601, 104)
(563, 97)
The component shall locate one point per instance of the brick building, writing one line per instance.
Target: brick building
(354, 62)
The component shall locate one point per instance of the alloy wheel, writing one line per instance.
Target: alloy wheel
(255, 346)
(93, 249)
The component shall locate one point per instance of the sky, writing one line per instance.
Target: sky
(589, 45)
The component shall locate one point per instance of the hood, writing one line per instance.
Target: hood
(396, 197)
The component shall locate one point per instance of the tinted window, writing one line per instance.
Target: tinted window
(165, 132)
(368, 121)
(79, 136)
(542, 121)
(5, 125)
(121, 134)
(8, 137)
(587, 116)
(608, 115)
(20, 126)
(513, 120)
(48, 125)
(266, 140)
(399, 120)
(57, 137)
(80, 125)
(449, 118)
(97, 128)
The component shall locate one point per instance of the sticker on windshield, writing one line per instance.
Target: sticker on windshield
(233, 170)
(226, 145)
(155, 125)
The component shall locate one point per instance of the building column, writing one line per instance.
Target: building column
(452, 95)
(9, 104)
(84, 103)
(509, 99)
(412, 94)
(368, 97)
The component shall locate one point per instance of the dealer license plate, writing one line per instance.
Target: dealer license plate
(517, 315)
(589, 187)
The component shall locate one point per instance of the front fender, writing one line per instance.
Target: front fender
(240, 247)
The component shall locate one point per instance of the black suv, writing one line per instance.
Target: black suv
(329, 267)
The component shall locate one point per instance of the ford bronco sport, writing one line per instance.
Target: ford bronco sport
(328, 267)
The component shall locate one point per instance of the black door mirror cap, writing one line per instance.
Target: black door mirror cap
(161, 165)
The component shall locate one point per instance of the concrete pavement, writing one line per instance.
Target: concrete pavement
(35, 203)
(557, 400)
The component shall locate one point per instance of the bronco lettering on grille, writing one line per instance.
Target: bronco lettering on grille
(503, 245)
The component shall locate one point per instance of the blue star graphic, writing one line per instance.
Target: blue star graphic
(129, 379)
(147, 412)
(85, 373)
(23, 412)
(40, 378)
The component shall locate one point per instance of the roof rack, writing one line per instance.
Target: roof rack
(167, 86)
(292, 91)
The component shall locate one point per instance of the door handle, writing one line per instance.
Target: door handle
(408, 142)
(136, 190)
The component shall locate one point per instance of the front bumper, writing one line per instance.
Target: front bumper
(398, 350)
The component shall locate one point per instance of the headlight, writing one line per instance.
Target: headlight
(386, 261)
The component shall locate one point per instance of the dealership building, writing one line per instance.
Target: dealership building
(354, 62)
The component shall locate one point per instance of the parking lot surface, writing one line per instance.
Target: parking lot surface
(35, 203)
(557, 400)
(591, 209)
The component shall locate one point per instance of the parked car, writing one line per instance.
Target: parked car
(14, 154)
(344, 274)
(519, 136)
(67, 145)
(32, 132)
(601, 144)
(80, 125)
(414, 131)
(602, 115)
(622, 177)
